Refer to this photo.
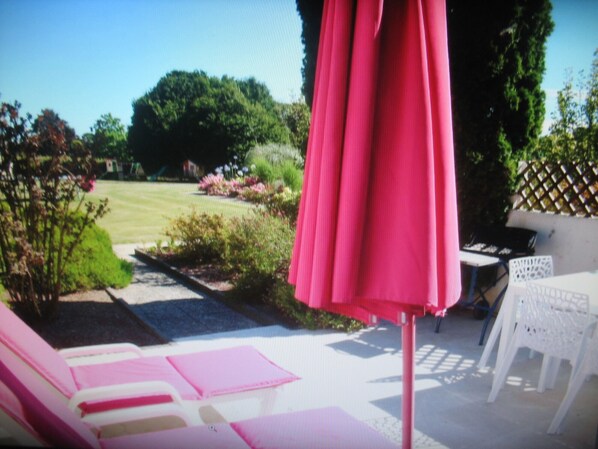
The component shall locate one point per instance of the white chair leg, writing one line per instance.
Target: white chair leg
(267, 402)
(544, 373)
(502, 370)
(572, 390)
(492, 338)
(553, 373)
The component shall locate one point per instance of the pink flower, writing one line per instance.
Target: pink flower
(88, 185)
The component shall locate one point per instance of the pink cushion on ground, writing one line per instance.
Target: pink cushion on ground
(325, 428)
(231, 370)
(127, 371)
(43, 410)
(31, 348)
(217, 436)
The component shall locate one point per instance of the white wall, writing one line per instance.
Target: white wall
(571, 241)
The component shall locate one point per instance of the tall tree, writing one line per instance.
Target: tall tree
(311, 16)
(256, 92)
(108, 138)
(189, 115)
(497, 61)
(297, 117)
(573, 133)
(45, 126)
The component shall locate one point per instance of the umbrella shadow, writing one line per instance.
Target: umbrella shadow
(451, 406)
(382, 339)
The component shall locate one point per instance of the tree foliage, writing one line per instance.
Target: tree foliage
(310, 12)
(189, 115)
(497, 61)
(45, 124)
(108, 139)
(43, 211)
(297, 117)
(573, 135)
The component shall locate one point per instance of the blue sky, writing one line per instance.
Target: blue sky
(85, 58)
(570, 47)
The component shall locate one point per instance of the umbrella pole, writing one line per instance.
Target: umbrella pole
(408, 343)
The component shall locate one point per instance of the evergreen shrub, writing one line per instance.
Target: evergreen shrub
(94, 265)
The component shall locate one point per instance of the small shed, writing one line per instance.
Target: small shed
(191, 169)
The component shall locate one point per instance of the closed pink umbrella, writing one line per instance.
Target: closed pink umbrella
(377, 231)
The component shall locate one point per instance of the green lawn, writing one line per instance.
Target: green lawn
(140, 211)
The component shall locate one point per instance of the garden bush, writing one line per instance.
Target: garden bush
(283, 204)
(274, 153)
(291, 176)
(94, 265)
(260, 247)
(263, 170)
(200, 237)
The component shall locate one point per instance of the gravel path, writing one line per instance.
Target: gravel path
(174, 311)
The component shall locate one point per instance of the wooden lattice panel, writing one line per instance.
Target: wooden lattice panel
(568, 189)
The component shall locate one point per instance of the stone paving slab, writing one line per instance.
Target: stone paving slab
(172, 310)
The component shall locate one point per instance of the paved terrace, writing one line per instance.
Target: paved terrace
(362, 372)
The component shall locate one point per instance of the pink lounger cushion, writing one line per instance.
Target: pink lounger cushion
(19, 338)
(130, 371)
(41, 408)
(217, 436)
(231, 370)
(327, 428)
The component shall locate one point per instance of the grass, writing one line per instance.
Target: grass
(140, 211)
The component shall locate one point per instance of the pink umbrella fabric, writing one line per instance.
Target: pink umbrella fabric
(377, 232)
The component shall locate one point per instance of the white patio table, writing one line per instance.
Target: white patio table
(585, 282)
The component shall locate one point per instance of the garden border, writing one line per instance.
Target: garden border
(248, 311)
(148, 327)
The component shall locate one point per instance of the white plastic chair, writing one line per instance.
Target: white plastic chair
(552, 322)
(522, 269)
(586, 364)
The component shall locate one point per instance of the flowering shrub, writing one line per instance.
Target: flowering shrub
(265, 180)
(232, 170)
(88, 185)
(211, 183)
(245, 188)
(254, 193)
(43, 210)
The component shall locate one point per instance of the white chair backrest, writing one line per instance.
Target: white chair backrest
(553, 320)
(525, 269)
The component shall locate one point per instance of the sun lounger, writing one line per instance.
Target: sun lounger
(42, 417)
(209, 377)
